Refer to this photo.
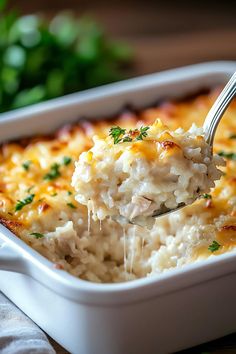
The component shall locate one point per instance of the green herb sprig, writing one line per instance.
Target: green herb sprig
(206, 196)
(55, 169)
(116, 133)
(143, 133)
(214, 246)
(22, 203)
(42, 59)
(71, 205)
(53, 173)
(120, 135)
(66, 160)
(54, 194)
(227, 155)
(26, 165)
(37, 235)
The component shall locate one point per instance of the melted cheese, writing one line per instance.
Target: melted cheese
(147, 149)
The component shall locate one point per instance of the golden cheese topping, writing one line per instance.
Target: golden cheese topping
(157, 142)
(148, 146)
(35, 173)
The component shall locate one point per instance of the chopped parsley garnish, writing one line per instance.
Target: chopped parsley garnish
(54, 194)
(228, 155)
(66, 160)
(214, 246)
(21, 203)
(55, 169)
(143, 133)
(206, 196)
(37, 235)
(71, 205)
(53, 173)
(233, 136)
(121, 135)
(116, 133)
(26, 165)
(69, 193)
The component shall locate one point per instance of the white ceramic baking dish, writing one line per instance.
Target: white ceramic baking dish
(162, 314)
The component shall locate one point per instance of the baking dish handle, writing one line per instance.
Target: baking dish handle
(10, 260)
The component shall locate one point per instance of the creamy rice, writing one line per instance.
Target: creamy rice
(141, 175)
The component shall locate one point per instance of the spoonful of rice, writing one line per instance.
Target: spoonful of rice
(137, 175)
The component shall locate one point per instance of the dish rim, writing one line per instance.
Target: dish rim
(133, 84)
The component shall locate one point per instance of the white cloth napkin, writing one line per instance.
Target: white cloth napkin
(19, 334)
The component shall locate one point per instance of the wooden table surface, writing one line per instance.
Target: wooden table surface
(163, 34)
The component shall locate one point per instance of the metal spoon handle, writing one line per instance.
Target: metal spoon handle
(217, 110)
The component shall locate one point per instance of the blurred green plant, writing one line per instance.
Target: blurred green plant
(41, 59)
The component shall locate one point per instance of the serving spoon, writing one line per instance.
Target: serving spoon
(210, 125)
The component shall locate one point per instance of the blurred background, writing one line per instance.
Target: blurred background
(102, 41)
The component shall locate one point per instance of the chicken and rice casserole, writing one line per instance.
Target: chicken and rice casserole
(131, 175)
(37, 200)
